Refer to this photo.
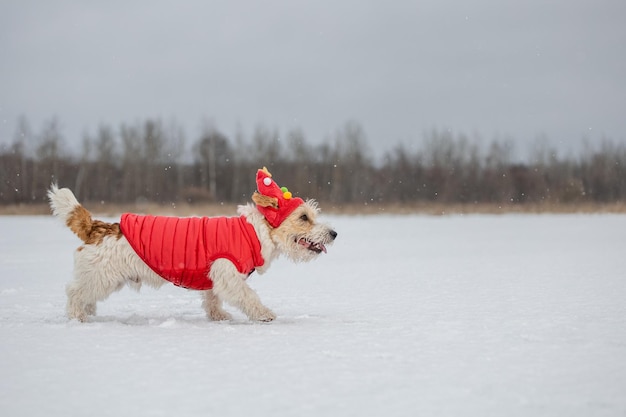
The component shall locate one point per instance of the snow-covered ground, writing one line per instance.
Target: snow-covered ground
(512, 315)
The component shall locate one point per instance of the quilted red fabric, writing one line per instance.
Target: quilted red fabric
(182, 249)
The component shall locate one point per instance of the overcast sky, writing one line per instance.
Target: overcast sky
(516, 69)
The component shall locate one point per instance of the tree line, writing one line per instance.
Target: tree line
(152, 161)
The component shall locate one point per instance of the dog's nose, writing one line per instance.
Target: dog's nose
(333, 234)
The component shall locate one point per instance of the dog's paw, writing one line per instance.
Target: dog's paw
(77, 314)
(90, 309)
(220, 315)
(266, 315)
(82, 318)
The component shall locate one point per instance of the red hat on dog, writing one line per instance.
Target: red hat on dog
(286, 203)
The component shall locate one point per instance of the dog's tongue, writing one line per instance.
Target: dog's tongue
(309, 245)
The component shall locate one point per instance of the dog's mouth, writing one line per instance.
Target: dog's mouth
(316, 247)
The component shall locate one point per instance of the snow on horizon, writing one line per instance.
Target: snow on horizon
(480, 315)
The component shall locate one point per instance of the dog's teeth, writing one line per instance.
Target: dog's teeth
(316, 247)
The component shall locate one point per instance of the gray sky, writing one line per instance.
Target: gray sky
(517, 69)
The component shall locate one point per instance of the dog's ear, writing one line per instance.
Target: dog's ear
(264, 201)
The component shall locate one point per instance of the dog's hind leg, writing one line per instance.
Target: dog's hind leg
(85, 291)
(96, 276)
(230, 286)
(213, 307)
(78, 305)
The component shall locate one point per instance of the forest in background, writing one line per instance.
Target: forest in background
(151, 161)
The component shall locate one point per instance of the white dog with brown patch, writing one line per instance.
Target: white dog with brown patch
(213, 255)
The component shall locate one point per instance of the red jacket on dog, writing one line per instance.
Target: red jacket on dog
(181, 250)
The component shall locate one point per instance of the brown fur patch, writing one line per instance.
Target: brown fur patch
(89, 230)
(264, 201)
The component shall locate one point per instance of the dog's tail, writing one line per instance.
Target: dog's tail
(65, 206)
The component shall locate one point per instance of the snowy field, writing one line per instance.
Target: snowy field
(512, 315)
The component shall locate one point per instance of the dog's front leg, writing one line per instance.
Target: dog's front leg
(213, 307)
(230, 286)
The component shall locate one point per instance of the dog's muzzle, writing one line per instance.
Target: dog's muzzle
(317, 247)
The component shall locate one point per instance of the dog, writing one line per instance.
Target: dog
(212, 255)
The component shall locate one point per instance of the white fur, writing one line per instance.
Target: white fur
(105, 267)
(62, 201)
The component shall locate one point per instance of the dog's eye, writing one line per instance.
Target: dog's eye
(304, 218)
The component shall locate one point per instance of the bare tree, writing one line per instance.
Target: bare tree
(212, 155)
(106, 178)
(175, 153)
(241, 159)
(81, 183)
(133, 163)
(350, 183)
(153, 144)
(266, 145)
(49, 156)
(21, 146)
